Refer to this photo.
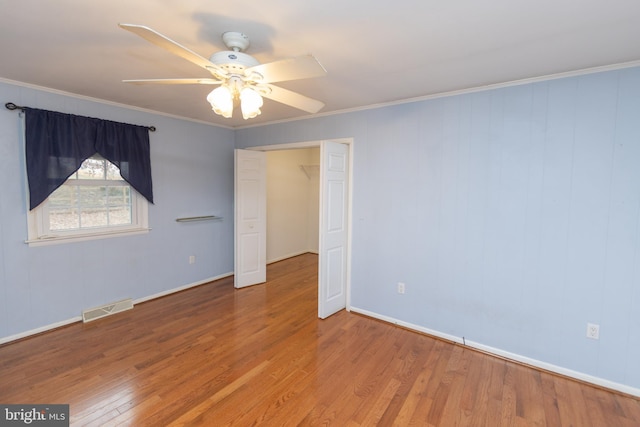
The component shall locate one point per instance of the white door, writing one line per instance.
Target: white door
(334, 228)
(250, 218)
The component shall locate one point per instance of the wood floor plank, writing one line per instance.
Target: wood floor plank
(550, 401)
(215, 355)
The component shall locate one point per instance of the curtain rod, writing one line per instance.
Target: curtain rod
(11, 106)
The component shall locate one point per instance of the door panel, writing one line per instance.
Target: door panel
(333, 271)
(335, 267)
(250, 218)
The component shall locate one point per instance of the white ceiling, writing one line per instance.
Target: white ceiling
(375, 52)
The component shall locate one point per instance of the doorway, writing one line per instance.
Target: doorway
(334, 233)
(293, 196)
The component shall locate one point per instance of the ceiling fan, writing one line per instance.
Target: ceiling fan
(241, 78)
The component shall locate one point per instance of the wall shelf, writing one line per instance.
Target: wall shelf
(199, 218)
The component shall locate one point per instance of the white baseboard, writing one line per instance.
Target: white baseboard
(41, 329)
(51, 326)
(507, 355)
(181, 288)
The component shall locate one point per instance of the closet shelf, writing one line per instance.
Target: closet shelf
(312, 171)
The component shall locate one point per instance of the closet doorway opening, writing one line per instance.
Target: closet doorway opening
(255, 247)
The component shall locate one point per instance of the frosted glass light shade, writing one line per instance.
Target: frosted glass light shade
(221, 100)
(250, 103)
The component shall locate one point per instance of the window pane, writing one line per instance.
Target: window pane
(120, 215)
(93, 209)
(92, 168)
(64, 219)
(92, 196)
(119, 195)
(119, 205)
(113, 173)
(95, 217)
(64, 196)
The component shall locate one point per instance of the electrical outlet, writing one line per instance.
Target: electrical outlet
(192, 259)
(593, 331)
(400, 288)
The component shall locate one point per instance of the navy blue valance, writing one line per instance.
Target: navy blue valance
(57, 144)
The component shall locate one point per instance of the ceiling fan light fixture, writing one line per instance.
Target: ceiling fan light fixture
(250, 103)
(221, 100)
(242, 78)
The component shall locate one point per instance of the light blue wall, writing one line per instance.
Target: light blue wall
(512, 215)
(192, 171)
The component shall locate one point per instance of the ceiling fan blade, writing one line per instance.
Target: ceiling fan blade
(292, 99)
(173, 47)
(174, 81)
(301, 67)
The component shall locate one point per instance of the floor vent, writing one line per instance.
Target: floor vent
(106, 310)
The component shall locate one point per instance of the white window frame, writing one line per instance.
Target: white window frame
(38, 221)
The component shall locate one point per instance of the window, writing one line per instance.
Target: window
(93, 202)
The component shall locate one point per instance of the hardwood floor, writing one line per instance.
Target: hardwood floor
(215, 356)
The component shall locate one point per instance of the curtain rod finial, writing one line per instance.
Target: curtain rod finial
(12, 106)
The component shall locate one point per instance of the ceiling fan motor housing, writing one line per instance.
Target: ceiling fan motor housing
(233, 62)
